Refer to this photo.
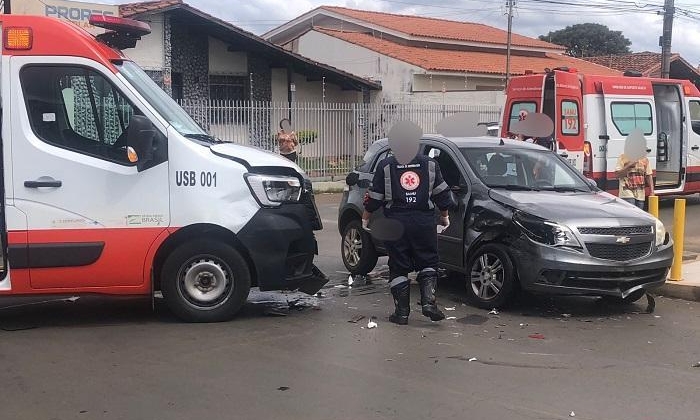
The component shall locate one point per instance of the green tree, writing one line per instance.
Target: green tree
(589, 40)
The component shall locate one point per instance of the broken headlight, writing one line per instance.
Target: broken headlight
(545, 232)
(273, 190)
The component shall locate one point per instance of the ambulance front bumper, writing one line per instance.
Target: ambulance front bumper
(281, 245)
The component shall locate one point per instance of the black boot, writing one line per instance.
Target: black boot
(402, 296)
(428, 283)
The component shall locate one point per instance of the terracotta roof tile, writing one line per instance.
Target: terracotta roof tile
(441, 28)
(467, 61)
(648, 63)
(131, 9)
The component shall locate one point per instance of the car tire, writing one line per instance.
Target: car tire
(357, 249)
(490, 277)
(205, 281)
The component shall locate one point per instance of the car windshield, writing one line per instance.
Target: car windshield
(164, 104)
(523, 169)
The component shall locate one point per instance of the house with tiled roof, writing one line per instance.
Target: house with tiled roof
(649, 65)
(421, 59)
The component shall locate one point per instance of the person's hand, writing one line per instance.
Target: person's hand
(445, 221)
(365, 224)
(630, 165)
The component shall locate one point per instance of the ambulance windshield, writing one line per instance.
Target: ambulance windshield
(158, 99)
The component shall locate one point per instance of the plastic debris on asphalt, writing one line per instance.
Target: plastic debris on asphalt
(372, 324)
(473, 359)
(566, 315)
(696, 365)
(522, 326)
(451, 309)
(350, 281)
(357, 318)
(494, 311)
(572, 414)
(537, 336)
(449, 318)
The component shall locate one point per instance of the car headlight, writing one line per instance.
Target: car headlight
(660, 233)
(545, 232)
(273, 190)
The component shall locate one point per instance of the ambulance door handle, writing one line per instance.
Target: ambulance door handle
(43, 182)
(648, 150)
(695, 148)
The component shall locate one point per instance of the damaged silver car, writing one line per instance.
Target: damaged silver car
(525, 219)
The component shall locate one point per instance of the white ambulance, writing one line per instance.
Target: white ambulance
(594, 114)
(111, 188)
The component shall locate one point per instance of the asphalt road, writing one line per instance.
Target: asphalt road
(544, 358)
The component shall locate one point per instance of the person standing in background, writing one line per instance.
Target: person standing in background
(634, 176)
(287, 140)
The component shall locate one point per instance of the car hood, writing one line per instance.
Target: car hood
(567, 207)
(252, 156)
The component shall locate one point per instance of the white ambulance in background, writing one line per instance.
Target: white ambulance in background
(594, 114)
(111, 188)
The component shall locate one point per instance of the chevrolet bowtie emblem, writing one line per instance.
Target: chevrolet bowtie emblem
(622, 239)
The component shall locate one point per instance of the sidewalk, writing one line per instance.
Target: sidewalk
(688, 288)
(321, 187)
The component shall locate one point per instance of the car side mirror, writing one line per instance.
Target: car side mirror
(352, 178)
(139, 141)
(591, 183)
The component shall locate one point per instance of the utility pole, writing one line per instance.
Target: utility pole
(6, 7)
(510, 4)
(669, 11)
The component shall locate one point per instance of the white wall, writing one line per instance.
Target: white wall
(313, 91)
(149, 52)
(225, 62)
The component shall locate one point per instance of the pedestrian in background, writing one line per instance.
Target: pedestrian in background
(634, 176)
(287, 140)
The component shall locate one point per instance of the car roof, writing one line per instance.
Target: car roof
(477, 142)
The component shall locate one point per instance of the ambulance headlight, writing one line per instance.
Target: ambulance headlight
(273, 190)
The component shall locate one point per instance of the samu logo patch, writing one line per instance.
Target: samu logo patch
(409, 180)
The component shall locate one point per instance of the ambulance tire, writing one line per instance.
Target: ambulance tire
(205, 281)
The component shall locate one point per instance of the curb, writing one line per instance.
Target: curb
(678, 290)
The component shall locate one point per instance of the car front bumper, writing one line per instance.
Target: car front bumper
(565, 272)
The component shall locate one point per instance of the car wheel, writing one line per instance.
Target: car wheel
(490, 277)
(357, 249)
(205, 281)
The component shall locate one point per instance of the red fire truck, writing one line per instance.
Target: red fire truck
(594, 114)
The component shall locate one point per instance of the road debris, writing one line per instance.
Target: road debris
(357, 318)
(651, 303)
(536, 336)
(696, 365)
(572, 414)
(350, 281)
(451, 309)
(449, 318)
(372, 323)
(473, 359)
(283, 388)
(522, 326)
(494, 311)
(566, 315)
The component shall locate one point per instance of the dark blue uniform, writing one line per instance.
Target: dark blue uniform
(409, 194)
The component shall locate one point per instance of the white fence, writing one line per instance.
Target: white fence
(333, 136)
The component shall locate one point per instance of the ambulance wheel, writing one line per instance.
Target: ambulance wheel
(357, 249)
(490, 277)
(205, 281)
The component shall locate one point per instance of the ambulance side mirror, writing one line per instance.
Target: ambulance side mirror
(139, 140)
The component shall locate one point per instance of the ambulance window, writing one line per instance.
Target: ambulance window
(695, 116)
(630, 115)
(78, 109)
(569, 118)
(519, 108)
